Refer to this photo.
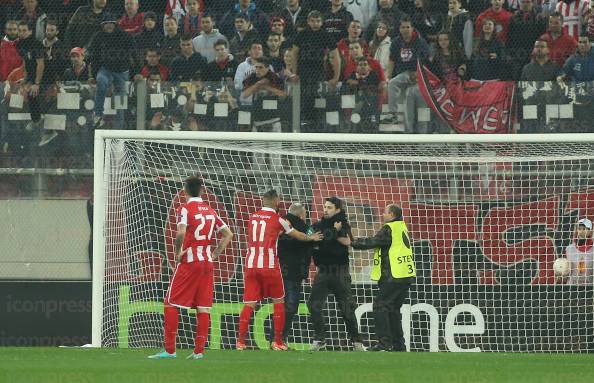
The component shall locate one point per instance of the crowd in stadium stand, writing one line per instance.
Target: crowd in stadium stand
(369, 47)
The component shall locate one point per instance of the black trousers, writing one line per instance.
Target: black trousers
(292, 298)
(386, 312)
(336, 280)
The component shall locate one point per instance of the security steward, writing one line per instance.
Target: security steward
(394, 269)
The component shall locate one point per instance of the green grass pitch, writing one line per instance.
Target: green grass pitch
(48, 365)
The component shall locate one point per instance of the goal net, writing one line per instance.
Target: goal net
(487, 216)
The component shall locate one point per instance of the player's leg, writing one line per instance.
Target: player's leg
(315, 304)
(203, 301)
(273, 287)
(252, 294)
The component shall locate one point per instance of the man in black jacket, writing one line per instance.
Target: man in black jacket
(394, 269)
(294, 258)
(332, 261)
(110, 54)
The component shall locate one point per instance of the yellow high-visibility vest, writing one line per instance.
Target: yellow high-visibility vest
(402, 264)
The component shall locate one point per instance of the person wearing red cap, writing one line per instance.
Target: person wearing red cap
(78, 69)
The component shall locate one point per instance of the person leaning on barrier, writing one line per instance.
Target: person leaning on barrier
(394, 270)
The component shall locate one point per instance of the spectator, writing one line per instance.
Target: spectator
(525, 27)
(310, 48)
(32, 52)
(246, 68)
(362, 10)
(175, 9)
(354, 34)
(192, 22)
(426, 21)
(170, 46)
(110, 53)
(488, 56)
(55, 53)
(355, 52)
(204, 43)
(85, 22)
(336, 21)
(288, 72)
(153, 68)
(588, 22)
(78, 69)
(379, 46)
(364, 83)
(499, 16)
(389, 13)
(580, 66)
(189, 65)
(150, 37)
(243, 38)
(260, 85)
(257, 18)
(293, 17)
(573, 12)
(132, 20)
(542, 68)
(449, 62)
(277, 25)
(560, 44)
(34, 16)
(9, 61)
(273, 44)
(459, 25)
(224, 66)
(406, 49)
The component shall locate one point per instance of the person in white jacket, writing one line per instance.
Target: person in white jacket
(362, 10)
(379, 46)
(204, 42)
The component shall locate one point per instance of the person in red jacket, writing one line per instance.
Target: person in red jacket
(501, 18)
(132, 21)
(356, 51)
(9, 57)
(153, 66)
(560, 44)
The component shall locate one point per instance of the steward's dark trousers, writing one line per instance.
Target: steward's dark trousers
(386, 311)
(334, 279)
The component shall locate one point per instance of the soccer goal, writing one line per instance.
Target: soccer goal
(487, 215)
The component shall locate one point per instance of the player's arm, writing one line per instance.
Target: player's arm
(179, 240)
(226, 237)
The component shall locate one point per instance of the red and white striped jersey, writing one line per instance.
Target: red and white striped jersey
(202, 223)
(573, 14)
(264, 228)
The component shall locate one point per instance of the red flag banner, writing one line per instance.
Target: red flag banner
(469, 106)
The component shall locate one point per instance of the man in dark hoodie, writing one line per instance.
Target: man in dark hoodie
(294, 258)
(84, 24)
(110, 54)
(394, 270)
(332, 262)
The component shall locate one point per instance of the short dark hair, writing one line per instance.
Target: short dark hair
(275, 34)
(256, 42)
(405, 19)
(52, 21)
(337, 202)
(23, 23)
(152, 49)
(210, 15)
(361, 42)
(556, 14)
(361, 60)
(193, 186)
(262, 60)
(186, 37)
(315, 15)
(221, 42)
(270, 195)
(395, 210)
(242, 16)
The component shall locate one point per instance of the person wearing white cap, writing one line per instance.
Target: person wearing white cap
(580, 254)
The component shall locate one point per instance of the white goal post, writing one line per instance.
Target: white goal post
(487, 214)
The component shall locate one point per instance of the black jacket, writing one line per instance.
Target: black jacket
(383, 240)
(112, 51)
(294, 256)
(330, 252)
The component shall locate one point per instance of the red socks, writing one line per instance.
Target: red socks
(279, 321)
(244, 322)
(202, 327)
(171, 319)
